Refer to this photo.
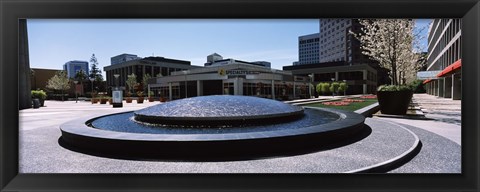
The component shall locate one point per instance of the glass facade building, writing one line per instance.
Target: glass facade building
(445, 57)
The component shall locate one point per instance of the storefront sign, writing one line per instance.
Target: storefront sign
(224, 72)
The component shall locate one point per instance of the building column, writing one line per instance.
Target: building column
(170, 97)
(365, 79)
(440, 87)
(24, 82)
(435, 87)
(456, 87)
(199, 88)
(447, 89)
(294, 89)
(273, 89)
(336, 76)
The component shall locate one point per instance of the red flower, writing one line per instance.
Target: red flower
(336, 103)
(369, 97)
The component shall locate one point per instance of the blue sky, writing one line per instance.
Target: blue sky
(53, 42)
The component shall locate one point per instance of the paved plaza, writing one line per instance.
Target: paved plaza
(389, 139)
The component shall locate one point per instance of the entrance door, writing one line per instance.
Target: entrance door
(212, 87)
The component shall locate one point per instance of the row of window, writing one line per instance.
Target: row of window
(444, 36)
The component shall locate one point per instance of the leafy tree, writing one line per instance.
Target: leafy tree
(323, 88)
(80, 76)
(131, 82)
(334, 87)
(343, 87)
(59, 82)
(393, 43)
(145, 81)
(95, 72)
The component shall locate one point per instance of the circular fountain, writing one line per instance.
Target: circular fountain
(222, 126)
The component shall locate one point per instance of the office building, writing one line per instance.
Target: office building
(154, 66)
(215, 60)
(340, 58)
(308, 49)
(444, 60)
(72, 67)
(123, 58)
(232, 78)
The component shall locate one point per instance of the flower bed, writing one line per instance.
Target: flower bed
(336, 103)
(353, 100)
(368, 97)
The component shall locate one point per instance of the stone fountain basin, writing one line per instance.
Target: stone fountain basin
(78, 135)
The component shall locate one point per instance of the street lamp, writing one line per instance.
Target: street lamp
(76, 93)
(116, 81)
(310, 85)
(345, 89)
(333, 92)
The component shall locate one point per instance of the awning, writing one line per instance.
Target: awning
(427, 81)
(451, 68)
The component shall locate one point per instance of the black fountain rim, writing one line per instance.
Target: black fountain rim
(78, 136)
(80, 127)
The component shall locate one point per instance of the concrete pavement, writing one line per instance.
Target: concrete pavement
(443, 114)
(40, 152)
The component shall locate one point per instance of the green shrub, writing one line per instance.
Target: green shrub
(417, 86)
(334, 87)
(323, 88)
(39, 94)
(343, 87)
(394, 88)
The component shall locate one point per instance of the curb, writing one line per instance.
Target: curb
(395, 162)
(368, 111)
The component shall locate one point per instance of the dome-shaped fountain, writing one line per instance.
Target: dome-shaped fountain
(222, 110)
(211, 126)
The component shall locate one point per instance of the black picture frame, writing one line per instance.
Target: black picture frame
(11, 11)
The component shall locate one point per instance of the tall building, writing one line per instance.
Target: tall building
(308, 46)
(444, 59)
(339, 58)
(337, 44)
(72, 67)
(123, 58)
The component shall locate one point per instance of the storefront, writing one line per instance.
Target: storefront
(233, 79)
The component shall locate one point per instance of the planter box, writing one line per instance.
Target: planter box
(394, 102)
(94, 101)
(151, 99)
(103, 101)
(140, 100)
(128, 100)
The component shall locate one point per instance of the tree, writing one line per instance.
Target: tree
(59, 81)
(323, 88)
(392, 43)
(80, 76)
(343, 87)
(334, 87)
(145, 81)
(95, 72)
(131, 82)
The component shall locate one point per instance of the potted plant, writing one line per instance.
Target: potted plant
(103, 100)
(150, 96)
(140, 97)
(40, 95)
(128, 99)
(394, 99)
(94, 99)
